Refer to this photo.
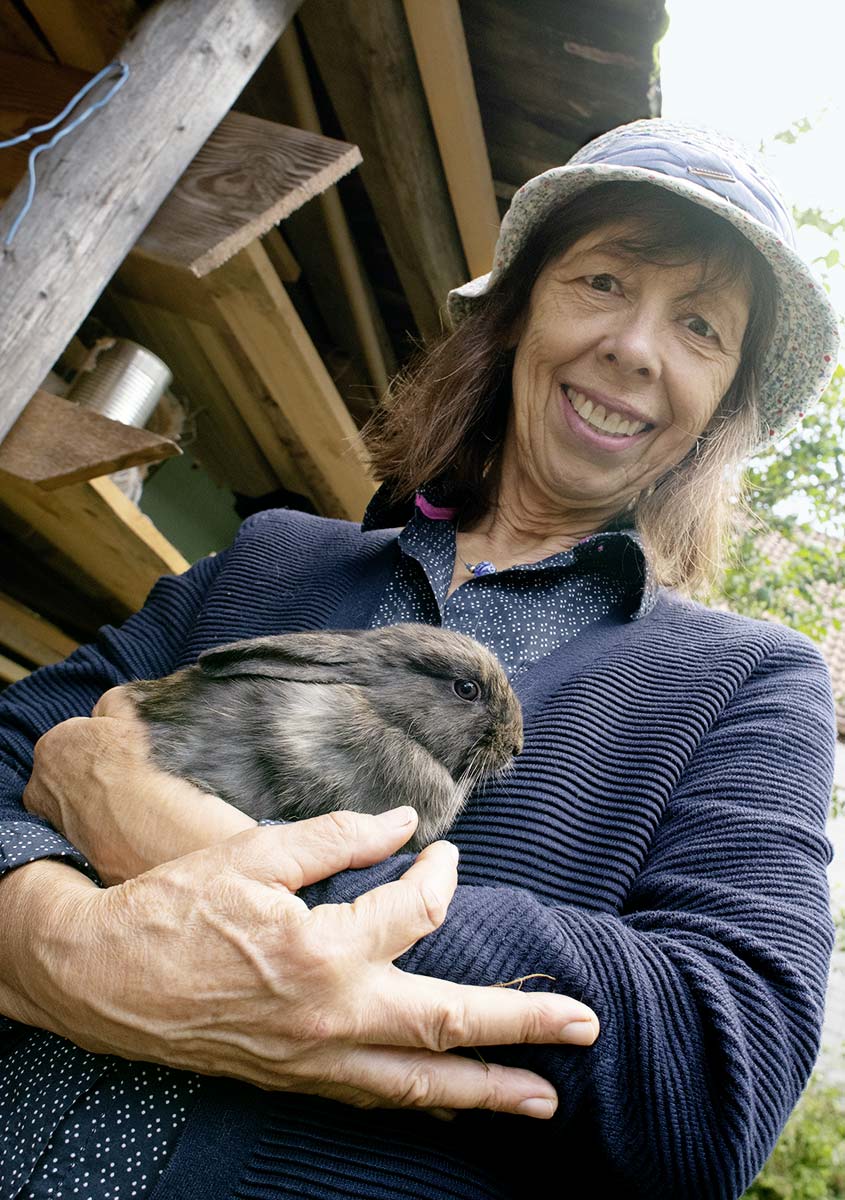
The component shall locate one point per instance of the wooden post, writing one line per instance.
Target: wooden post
(188, 61)
(358, 294)
(366, 59)
(442, 58)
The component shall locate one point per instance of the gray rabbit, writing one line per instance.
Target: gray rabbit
(308, 723)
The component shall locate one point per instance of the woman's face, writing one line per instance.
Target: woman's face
(618, 369)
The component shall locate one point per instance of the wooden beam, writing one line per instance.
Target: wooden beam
(54, 442)
(358, 294)
(366, 59)
(187, 62)
(308, 414)
(248, 176)
(30, 636)
(440, 46)
(94, 527)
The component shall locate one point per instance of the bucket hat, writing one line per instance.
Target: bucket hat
(721, 175)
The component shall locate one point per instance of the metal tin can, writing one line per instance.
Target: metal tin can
(121, 380)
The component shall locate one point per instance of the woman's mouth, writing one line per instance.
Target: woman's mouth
(607, 429)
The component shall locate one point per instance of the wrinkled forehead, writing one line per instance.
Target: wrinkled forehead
(715, 269)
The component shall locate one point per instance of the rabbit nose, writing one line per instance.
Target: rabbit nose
(517, 749)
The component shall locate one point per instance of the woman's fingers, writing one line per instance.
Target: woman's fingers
(304, 852)
(115, 703)
(382, 1076)
(391, 918)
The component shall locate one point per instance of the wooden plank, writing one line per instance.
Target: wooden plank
(187, 61)
(220, 439)
(440, 46)
(103, 534)
(54, 442)
(30, 636)
(85, 33)
(308, 413)
(248, 176)
(366, 59)
(359, 297)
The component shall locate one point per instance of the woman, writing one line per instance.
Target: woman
(658, 854)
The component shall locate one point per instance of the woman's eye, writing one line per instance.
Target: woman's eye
(602, 283)
(701, 327)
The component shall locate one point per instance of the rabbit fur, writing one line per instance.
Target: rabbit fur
(308, 723)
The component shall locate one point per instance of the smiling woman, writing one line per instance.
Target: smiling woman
(624, 303)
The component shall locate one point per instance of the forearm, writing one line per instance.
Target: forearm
(40, 942)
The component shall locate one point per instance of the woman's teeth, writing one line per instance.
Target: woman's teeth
(597, 416)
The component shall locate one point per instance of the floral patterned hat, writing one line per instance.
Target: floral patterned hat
(718, 173)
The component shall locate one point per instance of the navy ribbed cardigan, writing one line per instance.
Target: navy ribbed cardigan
(659, 851)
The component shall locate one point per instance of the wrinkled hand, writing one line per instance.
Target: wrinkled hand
(212, 963)
(93, 780)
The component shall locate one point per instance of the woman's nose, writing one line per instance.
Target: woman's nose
(633, 346)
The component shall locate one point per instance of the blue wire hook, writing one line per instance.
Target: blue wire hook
(123, 74)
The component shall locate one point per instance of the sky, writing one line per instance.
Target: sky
(754, 67)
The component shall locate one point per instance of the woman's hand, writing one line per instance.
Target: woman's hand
(94, 781)
(211, 963)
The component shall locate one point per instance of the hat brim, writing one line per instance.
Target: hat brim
(802, 355)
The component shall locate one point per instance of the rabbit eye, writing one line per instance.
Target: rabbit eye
(467, 689)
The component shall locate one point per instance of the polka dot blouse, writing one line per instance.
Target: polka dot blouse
(83, 1126)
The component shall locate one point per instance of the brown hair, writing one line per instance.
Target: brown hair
(444, 418)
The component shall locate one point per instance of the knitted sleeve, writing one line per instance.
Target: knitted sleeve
(710, 983)
(145, 646)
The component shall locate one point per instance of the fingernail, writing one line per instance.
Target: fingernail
(579, 1033)
(399, 817)
(542, 1109)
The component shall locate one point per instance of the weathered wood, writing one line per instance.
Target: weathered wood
(54, 442)
(358, 294)
(31, 92)
(187, 61)
(30, 636)
(95, 527)
(551, 75)
(309, 415)
(366, 59)
(440, 46)
(248, 176)
(85, 33)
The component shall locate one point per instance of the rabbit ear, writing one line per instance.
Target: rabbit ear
(303, 657)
